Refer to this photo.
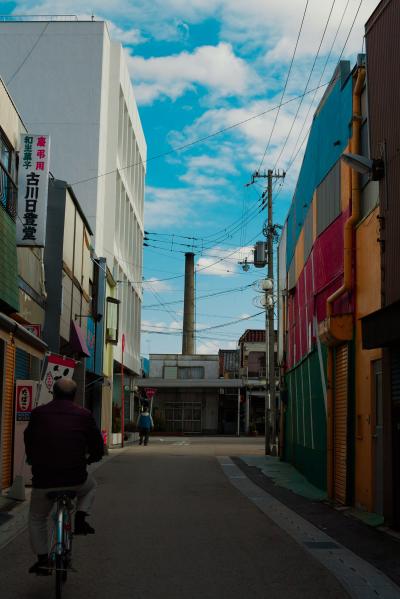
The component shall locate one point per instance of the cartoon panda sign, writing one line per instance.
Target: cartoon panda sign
(57, 368)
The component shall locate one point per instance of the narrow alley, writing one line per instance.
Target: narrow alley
(171, 524)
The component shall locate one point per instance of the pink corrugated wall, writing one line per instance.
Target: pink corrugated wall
(320, 277)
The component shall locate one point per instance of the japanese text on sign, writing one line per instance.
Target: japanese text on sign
(33, 179)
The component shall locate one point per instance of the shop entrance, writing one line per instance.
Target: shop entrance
(183, 417)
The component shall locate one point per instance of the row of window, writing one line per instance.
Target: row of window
(8, 176)
(129, 156)
(184, 372)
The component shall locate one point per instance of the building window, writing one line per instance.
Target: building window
(112, 312)
(8, 186)
(191, 372)
(170, 372)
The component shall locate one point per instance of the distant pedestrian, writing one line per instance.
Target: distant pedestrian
(145, 424)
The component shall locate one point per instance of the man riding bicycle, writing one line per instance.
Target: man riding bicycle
(58, 439)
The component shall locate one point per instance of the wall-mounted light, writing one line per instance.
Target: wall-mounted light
(365, 166)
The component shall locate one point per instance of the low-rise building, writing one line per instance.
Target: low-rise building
(190, 394)
(22, 290)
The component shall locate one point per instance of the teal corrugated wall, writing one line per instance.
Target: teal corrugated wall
(305, 424)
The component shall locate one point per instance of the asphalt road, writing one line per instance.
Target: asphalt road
(170, 525)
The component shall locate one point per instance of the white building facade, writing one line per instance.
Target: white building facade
(71, 81)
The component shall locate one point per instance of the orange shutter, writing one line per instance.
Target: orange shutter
(8, 417)
(340, 423)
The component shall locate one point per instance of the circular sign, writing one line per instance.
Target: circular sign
(123, 341)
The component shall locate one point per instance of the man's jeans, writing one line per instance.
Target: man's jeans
(144, 434)
(41, 507)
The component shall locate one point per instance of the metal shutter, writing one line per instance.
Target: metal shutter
(8, 416)
(22, 365)
(340, 423)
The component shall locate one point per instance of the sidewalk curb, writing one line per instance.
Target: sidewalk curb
(19, 521)
(358, 577)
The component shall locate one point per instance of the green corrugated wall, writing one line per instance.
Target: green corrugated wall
(305, 423)
(9, 298)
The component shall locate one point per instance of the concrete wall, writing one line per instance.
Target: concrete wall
(82, 96)
(208, 362)
(53, 259)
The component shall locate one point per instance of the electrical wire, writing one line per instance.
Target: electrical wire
(11, 79)
(198, 140)
(285, 86)
(217, 326)
(222, 292)
(306, 86)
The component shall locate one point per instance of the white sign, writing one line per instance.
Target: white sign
(33, 182)
(25, 395)
(57, 368)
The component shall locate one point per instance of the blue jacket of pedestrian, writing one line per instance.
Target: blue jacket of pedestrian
(145, 421)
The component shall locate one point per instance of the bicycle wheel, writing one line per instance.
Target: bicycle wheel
(60, 570)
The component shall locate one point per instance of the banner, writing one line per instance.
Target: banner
(57, 368)
(25, 395)
(33, 183)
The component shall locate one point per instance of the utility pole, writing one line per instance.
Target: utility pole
(270, 389)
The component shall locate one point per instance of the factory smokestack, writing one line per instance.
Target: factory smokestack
(188, 307)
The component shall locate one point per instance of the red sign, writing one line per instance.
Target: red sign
(150, 392)
(24, 399)
(35, 329)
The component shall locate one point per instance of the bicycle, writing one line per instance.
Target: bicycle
(61, 538)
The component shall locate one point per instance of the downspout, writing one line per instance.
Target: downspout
(355, 198)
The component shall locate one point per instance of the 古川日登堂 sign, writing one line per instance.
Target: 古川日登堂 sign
(33, 182)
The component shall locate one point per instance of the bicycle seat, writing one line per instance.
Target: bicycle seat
(55, 495)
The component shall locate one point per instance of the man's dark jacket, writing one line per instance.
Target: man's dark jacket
(58, 438)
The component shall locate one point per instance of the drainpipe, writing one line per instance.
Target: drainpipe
(355, 198)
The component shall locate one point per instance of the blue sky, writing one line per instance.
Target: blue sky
(199, 66)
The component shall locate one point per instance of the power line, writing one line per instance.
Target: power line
(28, 55)
(306, 86)
(217, 326)
(333, 80)
(198, 140)
(285, 86)
(222, 292)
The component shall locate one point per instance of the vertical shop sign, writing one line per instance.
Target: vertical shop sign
(33, 182)
(57, 368)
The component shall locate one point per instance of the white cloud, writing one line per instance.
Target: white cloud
(153, 284)
(213, 67)
(222, 262)
(162, 326)
(129, 37)
(165, 207)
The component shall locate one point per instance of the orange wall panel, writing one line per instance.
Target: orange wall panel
(299, 255)
(368, 299)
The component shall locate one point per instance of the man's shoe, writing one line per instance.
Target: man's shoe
(81, 526)
(41, 567)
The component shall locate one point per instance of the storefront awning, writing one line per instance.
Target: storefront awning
(381, 328)
(23, 338)
(189, 383)
(77, 340)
